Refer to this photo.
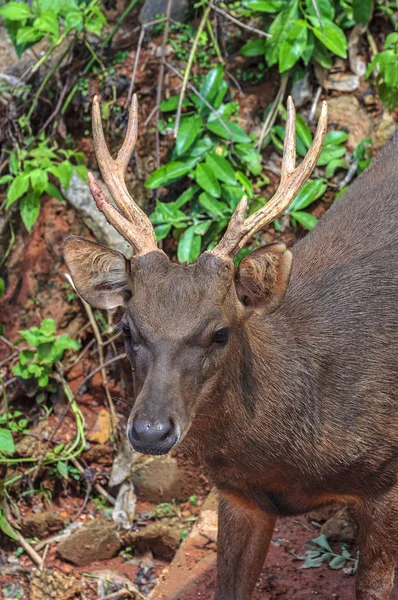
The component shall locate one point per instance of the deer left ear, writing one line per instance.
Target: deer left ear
(262, 277)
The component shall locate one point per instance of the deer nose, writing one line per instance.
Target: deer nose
(148, 437)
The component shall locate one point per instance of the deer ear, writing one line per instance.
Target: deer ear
(263, 276)
(100, 275)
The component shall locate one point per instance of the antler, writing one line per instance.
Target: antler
(128, 219)
(239, 229)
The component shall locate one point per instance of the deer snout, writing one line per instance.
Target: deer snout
(153, 437)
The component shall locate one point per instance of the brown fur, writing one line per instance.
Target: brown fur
(300, 407)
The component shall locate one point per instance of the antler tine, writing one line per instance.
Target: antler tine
(129, 220)
(239, 231)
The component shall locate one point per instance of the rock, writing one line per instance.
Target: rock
(51, 583)
(342, 82)
(97, 540)
(79, 196)
(42, 524)
(161, 538)
(302, 91)
(98, 453)
(158, 479)
(153, 8)
(207, 523)
(383, 130)
(342, 527)
(346, 112)
(357, 62)
(101, 432)
(320, 515)
(122, 465)
(35, 444)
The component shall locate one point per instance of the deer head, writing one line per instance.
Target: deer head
(182, 323)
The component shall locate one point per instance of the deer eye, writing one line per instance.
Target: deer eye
(126, 330)
(221, 336)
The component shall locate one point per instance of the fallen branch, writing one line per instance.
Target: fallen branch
(30, 551)
(271, 117)
(226, 14)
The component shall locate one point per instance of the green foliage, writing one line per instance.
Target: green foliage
(27, 23)
(384, 67)
(32, 172)
(304, 30)
(45, 350)
(5, 527)
(219, 157)
(320, 551)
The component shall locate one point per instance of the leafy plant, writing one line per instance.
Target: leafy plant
(27, 23)
(32, 172)
(304, 30)
(384, 67)
(220, 158)
(15, 421)
(45, 350)
(320, 551)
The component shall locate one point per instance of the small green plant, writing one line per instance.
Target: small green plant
(45, 350)
(165, 509)
(193, 500)
(27, 23)
(384, 67)
(220, 158)
(305, 30)
(32, 172)
(320, 551)
(15, 421)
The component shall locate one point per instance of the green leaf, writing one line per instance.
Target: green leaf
(43, 381)
(186, 196)
(332, 36)
(254, 48)
(337, 163)
(279, 30)
(64, 172)
(305, 219)
(28, 34)
(270, 6)
(250, 157)
(237, 133)
(2, 287)
(48, 327)
(162, 231)
(330, 153)
(232, 194)
(5, 179)
(338, 562)
(54, 192)
(325, 9)
(322, 542)
(39, 180)
(6, 442)
(172, 104)
(335, 137)
(47, 22)
(30, 208)
(189, 246)
(25, 356)
(210, 85)
(303, 131)
(16, 11)
(74, 21)
(213, 207)
(241, 177)
(14, 164)
(205, 178)
(6, 527)
(168, 174)
(203, 227)
(221, 168)
(311, 191)
(321, 55)
(362, 11)
(63, 469)
(292, 47)
(18, 188)
(187, 133)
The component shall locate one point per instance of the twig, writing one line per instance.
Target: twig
(120, 20)
(151, 114)
(103, 366)
(117, 595)
(315, 104)
(318, 14)
(57, 108)
(226, 14)
(160, 80)
(187, 70)
(199, 95)
(10, 357)
(29, 550)
(6, 342)
(82, 353)
(97, 486)
(271, 117)
(46, 549)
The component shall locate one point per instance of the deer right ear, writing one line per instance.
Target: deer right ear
(100, 274)
(262, 277)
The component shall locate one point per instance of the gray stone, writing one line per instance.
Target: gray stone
(161, 538)
(302, 91)
(153, 8)
(97, 540)
(79, 196)
(158, 479)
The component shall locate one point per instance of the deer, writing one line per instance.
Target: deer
(281, 372)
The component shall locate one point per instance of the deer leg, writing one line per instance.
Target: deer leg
(378, 547)
(244, 535)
